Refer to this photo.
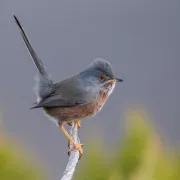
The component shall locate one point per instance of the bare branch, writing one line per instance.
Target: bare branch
(74, 157)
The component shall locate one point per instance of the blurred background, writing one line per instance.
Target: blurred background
(141, 39)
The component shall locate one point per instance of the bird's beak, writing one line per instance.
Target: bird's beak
(114, 80)
(118, 80)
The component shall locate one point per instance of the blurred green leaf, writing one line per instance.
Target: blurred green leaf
(13, 165)
(140, 155)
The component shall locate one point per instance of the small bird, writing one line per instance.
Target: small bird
(75, 98)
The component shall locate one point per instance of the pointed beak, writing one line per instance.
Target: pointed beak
(118, 80)
(114, 80)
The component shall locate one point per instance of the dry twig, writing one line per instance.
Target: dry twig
(74, 157)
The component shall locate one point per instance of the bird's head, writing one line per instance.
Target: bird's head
(100, 74)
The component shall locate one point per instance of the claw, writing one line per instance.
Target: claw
(77, 147)
(69, 123)
(77, 122)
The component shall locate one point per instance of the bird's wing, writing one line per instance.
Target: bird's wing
(66, 93)
(58, 101)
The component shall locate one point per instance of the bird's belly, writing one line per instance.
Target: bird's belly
(68, 114)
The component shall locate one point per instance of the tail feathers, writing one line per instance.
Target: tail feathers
(43, 87)
(44, 81)
(32, 52)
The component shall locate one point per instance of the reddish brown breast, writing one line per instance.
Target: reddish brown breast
(103, 95)
(101, 101)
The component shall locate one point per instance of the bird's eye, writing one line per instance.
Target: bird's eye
(101, 77)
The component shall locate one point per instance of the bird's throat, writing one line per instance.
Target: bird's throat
(108, 87)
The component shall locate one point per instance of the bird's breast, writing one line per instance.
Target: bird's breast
(103, 96)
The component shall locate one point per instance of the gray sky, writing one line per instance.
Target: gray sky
(139, 37)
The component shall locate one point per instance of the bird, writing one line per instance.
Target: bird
(75, 98)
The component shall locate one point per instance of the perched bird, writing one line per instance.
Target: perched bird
(75, 98)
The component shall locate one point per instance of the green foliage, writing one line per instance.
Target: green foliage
(13, 166)
(94, 163)
(139, 156)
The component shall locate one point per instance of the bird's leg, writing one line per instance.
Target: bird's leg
(75, 146)
(78, 122)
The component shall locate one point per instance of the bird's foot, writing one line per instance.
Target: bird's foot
(69, 123)
(76, 147)
(77, 122)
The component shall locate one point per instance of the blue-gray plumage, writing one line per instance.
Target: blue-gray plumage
(74, 98)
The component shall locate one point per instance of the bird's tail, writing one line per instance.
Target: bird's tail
(44, 81)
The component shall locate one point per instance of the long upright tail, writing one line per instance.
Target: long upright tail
(32, 52)
(45, 82)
